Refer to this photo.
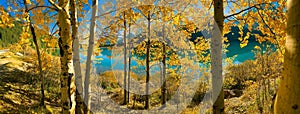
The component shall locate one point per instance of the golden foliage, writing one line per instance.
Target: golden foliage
(5, 19)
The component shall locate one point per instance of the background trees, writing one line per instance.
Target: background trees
(9, 29)
(255, 21)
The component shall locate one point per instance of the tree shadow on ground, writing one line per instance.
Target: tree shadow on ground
(19, 91)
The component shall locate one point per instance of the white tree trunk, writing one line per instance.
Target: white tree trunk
(89, 56)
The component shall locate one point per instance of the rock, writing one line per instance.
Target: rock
(232, 93)
(3, 51)
(19, 54)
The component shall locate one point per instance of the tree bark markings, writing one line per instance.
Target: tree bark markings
(287, 98)
(216, 54)
(76, 60)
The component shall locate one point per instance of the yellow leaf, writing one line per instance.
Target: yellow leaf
(244, 43)
(28, 1)
(85, 1)
(257, 47)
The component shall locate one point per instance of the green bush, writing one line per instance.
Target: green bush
(9, 36)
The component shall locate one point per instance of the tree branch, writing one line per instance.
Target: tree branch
(212, 2)
(106, 13)
(55, 5)
(254, 6)
(265, 22)
(42, 7)
(274, 34)
(52, 33)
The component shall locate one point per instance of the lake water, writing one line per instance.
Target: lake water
(106, 62)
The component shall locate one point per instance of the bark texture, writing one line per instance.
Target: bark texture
(147, 105)
(125, 59)
(67, 78)
(163, 87)
(288, 96)
(76, 59)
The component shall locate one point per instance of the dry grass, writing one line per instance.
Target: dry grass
(19, 87)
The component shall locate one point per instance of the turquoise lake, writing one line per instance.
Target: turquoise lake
(105, 64)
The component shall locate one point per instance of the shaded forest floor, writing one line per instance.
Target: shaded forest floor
(20, 89)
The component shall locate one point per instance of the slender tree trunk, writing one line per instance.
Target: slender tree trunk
(89, 57)
(163, 88)
(125, 60)
(216, 53)
(129, 64)
(42, 103)
(288, 95)
(129, 70)
(147, 63)
(76, 60)
(67, 78)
